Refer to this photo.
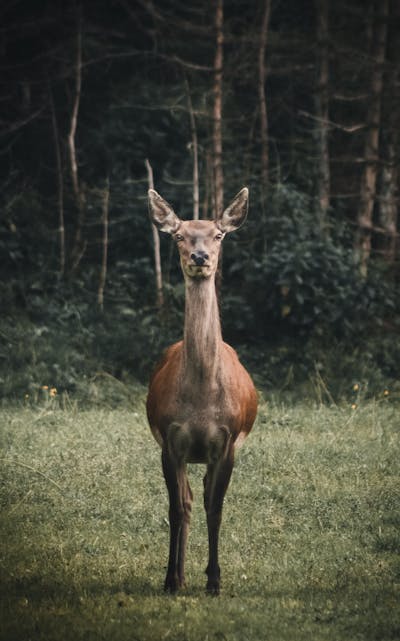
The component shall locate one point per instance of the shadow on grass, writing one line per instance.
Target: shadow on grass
(359, 610)
(38, 588)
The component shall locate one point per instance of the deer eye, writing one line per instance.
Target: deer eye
(178, 237)
(218, 237)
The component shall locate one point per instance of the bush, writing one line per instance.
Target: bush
(298, 307)
(307, 281)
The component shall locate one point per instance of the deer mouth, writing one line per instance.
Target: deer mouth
(198, 271)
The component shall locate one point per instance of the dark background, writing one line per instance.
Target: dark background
(305, 305)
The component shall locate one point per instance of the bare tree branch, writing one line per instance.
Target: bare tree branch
(21, 123)
(347, 128)
(60, 184)
(104, 220)
(156, 240)
(79, 247)
(193, 131)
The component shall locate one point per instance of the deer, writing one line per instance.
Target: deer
(201, 401)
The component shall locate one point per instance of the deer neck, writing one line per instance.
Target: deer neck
(202, 333)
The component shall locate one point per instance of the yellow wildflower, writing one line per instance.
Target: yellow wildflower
(356, 387)
(53, 391)
(386, 392)
(354, 406)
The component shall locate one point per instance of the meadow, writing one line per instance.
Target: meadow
(309, 542)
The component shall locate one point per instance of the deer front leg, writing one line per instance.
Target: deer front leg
(175, 478)
(187, 500)
(216, 483)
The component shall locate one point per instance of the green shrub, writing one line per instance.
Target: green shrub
(306, 281)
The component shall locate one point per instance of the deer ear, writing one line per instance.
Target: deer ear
(162, 214)
(234, 215)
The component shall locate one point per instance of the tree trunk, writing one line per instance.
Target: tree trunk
(322, 112)
(217, 112)
(208, 181)
(104, 220)
(388, 205)
(60, 185)
(262, 75)
(217, 117)
(388, 210)
(79, 245)
(371, 150)
(193, 131)
(156, 242)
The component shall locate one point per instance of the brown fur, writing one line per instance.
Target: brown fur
(201, 402)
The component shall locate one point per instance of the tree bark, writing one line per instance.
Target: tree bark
(156, 242)
(371, 149)
(322, 112)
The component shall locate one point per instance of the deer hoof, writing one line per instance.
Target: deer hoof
(171, 584)
(212, 588)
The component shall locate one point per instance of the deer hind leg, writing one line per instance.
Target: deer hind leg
(216, 483)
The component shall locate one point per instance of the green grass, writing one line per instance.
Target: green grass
(310, 534)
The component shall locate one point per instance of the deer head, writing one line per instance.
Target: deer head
(198, 241)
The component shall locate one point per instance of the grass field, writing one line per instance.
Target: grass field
(309, 543)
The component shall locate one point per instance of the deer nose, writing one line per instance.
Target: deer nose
(199, 257)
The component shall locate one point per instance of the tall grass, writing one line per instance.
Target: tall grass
(310, 531)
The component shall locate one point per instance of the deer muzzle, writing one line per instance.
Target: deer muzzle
(199, 258)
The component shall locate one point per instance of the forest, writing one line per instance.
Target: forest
(297, 100)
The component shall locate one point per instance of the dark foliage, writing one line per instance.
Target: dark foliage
(291, 287)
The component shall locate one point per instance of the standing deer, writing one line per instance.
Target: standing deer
(201, 402)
